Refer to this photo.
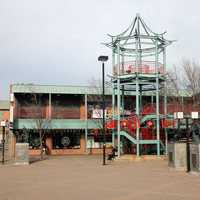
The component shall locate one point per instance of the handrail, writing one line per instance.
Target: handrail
(146, 67)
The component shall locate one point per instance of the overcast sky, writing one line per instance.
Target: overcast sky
(58, 41)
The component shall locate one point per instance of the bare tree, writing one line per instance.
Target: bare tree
(184, 78)
(96, 86)
(42, 123)
(192, 79)
(173, 86)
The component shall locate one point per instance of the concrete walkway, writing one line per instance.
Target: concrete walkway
(84, 178)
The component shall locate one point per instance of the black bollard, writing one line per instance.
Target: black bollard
(188, 145)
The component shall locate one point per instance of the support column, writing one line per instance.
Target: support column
(113, 114)
(122, 97)
(11, 117)
(86, 123)
(140, 90)
(49, 144)
(165, 100)
(118, 100)
(152, 99)
(113, 99)
(50, 107)
(137, 98)
(137, 115)
(157, 101)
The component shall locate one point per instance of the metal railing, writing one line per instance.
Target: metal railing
(145, 67)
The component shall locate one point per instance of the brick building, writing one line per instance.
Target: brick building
(4, 110)
(64, 113)
(4, 113)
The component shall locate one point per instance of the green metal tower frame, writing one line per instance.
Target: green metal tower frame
(132, 48)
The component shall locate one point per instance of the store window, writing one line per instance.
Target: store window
(66, 141)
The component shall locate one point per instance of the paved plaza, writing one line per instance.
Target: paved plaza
(83, 177)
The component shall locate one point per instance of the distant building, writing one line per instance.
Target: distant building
(4, 110)
(4, 113)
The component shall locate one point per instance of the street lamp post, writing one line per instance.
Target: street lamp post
(103, 59)
(3, 125)
(188, 144)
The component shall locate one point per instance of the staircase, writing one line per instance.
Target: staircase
(134, 141)
(128, 136)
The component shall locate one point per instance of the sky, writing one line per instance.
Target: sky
(59, 41)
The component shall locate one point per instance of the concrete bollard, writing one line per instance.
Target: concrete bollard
(177, 155)
(22, 154)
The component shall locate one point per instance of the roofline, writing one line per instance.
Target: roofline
(71, 89)
(64, 89)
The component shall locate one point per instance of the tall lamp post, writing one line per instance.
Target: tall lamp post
(3, 125)
(103, 59)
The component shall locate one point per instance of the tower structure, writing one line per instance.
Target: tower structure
(139, 65)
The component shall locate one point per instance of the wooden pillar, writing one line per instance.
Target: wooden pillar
(49, 144)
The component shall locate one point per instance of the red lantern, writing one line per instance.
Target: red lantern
(149, 124)
(110, 124)
(123, 123)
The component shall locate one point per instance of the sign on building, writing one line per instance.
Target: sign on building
(98, 114)
(178, 115)
(194, 115)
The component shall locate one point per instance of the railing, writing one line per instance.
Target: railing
(57, 112)
(60, 112)
(31, 112)
(146, 67)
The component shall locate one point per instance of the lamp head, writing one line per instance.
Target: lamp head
(103, 58)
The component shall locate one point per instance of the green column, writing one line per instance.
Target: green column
(165, 100)
(113, 99)
(157, 100)
(122, 97)
(113, 114)
(140, 87)
(137, 97)
(118, 99)
(86, 122)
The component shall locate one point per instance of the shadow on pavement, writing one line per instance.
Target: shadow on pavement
(34, 159)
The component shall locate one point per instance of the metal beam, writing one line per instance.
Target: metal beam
(86, 122)
(137, 100)
(113, 99)
(118, 102)
(157, 104)
(165, 100)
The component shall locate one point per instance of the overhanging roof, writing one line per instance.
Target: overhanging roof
(56, 89)
(62, 89)
(68, 89)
